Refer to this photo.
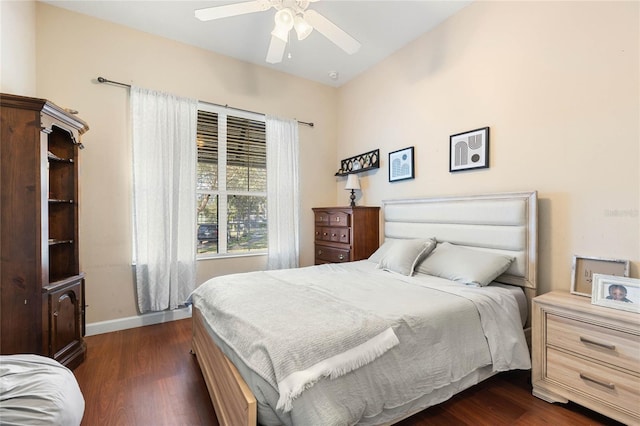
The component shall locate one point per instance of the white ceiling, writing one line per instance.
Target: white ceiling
(382, 27)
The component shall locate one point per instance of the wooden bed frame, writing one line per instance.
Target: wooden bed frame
(484, 220)
(231, 397)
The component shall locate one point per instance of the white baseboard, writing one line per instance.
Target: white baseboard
(137, 321)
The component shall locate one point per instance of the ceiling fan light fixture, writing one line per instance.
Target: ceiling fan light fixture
(284, 18)
(303, 28)
(281, 32)
(284, 23)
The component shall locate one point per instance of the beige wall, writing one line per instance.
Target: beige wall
(17, 47)
(73, 50)
(557, 82)
(558, 85)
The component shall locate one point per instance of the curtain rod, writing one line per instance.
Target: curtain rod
(104, 80)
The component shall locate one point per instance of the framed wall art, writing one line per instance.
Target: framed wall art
(583, 268)
(401, 164)
(469, 150)
(616, 292)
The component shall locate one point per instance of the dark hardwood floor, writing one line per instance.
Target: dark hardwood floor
(147, 376)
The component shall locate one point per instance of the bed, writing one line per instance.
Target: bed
(35, 390)
(373, 342)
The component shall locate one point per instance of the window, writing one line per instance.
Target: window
(231, 187)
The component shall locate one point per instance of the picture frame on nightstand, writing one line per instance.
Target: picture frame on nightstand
(616, 292)
(583, 268)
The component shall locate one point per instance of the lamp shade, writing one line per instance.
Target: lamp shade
(352, 182)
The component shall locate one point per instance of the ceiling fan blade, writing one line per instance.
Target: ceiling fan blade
(234, 9)
(332, 32)
(276, 50)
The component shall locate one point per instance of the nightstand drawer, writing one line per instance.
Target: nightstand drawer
(330, 254)
(607, 384)
(604, 344)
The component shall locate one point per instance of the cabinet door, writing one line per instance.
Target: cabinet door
(65, 323)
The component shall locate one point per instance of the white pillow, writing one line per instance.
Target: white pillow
(377, 255)
(402, 256)
(468, 266)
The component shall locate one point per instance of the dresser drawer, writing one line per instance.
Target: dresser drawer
(321, 218)
(604, 344)
(609, 385)
(336, 235)
(332, 218)
(339, 219)
(330, 254)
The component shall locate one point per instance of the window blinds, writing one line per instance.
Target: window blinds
(246, 140)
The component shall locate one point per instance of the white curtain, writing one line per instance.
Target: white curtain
(164, 169)
(283, 197)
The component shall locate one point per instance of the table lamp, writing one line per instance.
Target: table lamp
(353, 183)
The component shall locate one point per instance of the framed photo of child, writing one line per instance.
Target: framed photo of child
(616, 292)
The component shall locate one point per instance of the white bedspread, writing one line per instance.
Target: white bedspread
(446, 331)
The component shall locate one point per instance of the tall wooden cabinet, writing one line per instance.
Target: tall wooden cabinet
(42, 289)
(345, 234)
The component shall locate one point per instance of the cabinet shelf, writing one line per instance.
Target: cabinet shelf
(55, 242)
(62, 281)
(55, 159)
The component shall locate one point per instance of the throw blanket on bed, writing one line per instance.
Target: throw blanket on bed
(292, 335)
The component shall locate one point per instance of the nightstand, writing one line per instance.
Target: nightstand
(345, 234)
(586, 354)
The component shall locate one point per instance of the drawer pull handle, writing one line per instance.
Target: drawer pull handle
(319, 252)
(591, 379)
(593, 342)
(337, 219)
(341, 257)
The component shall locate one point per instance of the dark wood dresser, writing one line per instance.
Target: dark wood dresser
(345, 234)
(42, 286)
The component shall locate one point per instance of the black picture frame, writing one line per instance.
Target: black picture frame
(401, 164)
(469, 150)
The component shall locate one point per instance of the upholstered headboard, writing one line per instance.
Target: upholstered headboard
(503, 223)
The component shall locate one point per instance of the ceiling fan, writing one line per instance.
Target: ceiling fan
(289, 14)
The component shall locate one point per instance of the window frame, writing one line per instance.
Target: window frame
(222, 192)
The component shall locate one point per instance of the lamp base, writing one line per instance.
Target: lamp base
(353, 198)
